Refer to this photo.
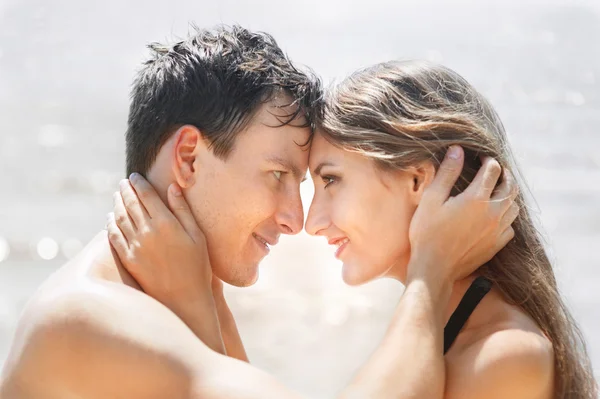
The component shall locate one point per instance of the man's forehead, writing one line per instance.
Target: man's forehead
(280, 109)
(319, 147)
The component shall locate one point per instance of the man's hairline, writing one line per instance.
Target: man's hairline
(251, 118)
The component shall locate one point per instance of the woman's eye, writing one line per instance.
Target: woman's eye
(328, 180)
(277, 174)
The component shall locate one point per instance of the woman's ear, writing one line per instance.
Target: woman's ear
(422, 175)
(188, 149)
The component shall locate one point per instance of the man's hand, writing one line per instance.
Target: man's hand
(451, 237)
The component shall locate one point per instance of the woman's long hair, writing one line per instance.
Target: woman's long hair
(404, 113)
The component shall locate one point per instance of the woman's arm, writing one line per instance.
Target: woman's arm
(408, 363)
(450, 238)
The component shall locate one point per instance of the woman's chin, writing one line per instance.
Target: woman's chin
(353, 274)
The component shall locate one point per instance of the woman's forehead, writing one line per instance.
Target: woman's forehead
(321, 151)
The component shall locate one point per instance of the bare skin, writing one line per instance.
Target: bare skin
(499, 340)
(91, 332)
(144, 251)
(360, 203)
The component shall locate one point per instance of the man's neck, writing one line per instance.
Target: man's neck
(105, 263)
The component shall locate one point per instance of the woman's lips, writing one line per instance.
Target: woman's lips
(341, 244)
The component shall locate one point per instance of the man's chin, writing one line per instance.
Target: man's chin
(239, 277)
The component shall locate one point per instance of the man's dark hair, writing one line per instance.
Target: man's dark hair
(215, 80)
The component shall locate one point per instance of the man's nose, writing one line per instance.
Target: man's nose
(290, 216)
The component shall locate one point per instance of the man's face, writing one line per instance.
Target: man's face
(244, 203)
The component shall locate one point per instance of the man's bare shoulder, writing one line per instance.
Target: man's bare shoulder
(95, 336)
(90, 335)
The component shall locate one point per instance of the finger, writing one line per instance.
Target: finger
(122, 218)
(486, 178)
(182, 210)
(505, 237)
(148, 196)
(133, 205)
(509, 216)
(116, 237)
(508, 189)
(446, 176)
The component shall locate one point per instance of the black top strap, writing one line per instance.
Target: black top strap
(477, 290)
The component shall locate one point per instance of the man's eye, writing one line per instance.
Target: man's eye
(277, 174)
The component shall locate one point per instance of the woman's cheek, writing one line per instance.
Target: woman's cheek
(345, 216)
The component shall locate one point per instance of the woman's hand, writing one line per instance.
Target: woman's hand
(165, 251)
(451, 237)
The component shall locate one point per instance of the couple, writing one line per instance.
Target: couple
(413, 181)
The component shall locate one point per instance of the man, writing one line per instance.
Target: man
(221, 113)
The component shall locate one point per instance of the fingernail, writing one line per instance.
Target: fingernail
(134, 176)
(123, 183)
(176, 190)
(454, 152)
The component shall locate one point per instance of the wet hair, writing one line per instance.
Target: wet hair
(215, 79)
(400, 114)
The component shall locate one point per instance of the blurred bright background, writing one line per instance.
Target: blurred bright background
(65, 73)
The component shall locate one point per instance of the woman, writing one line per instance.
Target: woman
(402, 116)
(382, 133)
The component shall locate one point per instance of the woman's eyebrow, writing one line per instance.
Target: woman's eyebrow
(317, 170)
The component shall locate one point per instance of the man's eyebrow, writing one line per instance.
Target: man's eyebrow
(317, 171)
(286, 164)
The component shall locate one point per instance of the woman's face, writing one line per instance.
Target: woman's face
(362, 210)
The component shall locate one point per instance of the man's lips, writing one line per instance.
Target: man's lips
(270, 241)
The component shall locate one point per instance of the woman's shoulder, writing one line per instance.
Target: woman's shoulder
(508, 347)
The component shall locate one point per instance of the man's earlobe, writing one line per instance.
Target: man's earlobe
(188, 143)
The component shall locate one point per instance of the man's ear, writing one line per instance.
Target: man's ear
(188, 149)
(422, 175)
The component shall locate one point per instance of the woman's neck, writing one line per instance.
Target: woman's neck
(477, 318)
